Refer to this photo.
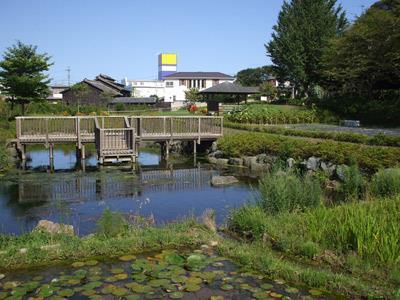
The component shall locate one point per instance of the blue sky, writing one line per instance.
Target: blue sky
(123, 38)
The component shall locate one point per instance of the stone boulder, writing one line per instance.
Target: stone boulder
(214, 146)
(223, 180)
(266, 159)
(341, 171)
(236, 161)
(290, 163)
(328, 168)
(248, 160)
(217, 154)
(54, 228)
(222, 161)
(259, 167)
(313, 163)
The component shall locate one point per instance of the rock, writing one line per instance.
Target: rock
(313, 163)
(328, 168)
(222, 161)
(223, 180)
(208, 219)
(236, 161)
(54, 247)
(213, 243)
(248, 160)
(290, 162)
(212, 160)
(341, 171)
(54, 228)
(2, 276)
(23, 250)
(217, 154)
(266, 159)
(259, 167)
(214, 146)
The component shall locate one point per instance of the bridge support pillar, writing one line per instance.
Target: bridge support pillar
(22, 152)
(80, 152)
(51, 152)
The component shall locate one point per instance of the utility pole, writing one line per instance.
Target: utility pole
(69, 75)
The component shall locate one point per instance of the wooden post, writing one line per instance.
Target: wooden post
(83, 153)
(78, 131)
(23, 152)
(199, 130)
(166, 149)
(194, 147)
(47, 132)
(165, 125)
(51, 153)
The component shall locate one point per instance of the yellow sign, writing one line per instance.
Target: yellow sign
(168, 59)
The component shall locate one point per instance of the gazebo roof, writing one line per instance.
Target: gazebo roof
(230, 88)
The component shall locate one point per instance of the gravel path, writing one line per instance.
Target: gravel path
(363, 130)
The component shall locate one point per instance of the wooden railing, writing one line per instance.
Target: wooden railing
(83, 129)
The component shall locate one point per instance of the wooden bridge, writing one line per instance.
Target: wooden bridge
(115, 137)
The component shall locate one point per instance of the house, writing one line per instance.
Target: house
(56, 92)
(96, 92)
(178, 83)
(145, 88)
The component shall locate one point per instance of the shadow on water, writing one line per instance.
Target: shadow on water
(77, 195)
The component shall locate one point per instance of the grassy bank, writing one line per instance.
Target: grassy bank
(45, 249)
(297, 231)
(368, 157)
(377, 140)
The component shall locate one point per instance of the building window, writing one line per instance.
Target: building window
(169, 84)
(174, 98)
(215, 82)
(203, 83)
(182, 82)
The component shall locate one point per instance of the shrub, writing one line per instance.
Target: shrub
(271, 114)
(352, 187)
(286, 192)
(111, 224)
(386, 183)
(370, 158)
(248, 220)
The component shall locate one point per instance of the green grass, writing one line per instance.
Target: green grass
(377, 140)
(386, 183)
(371, 158)
(132, 239)
(286, 192)
(361, 237)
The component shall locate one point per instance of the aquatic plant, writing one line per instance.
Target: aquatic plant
(110, 224)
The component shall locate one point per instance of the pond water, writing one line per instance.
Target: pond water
(167, 275)
(74, 194)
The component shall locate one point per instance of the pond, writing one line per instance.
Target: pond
(74, 194)
(198, 274)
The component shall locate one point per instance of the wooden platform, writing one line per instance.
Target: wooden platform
(115, 137)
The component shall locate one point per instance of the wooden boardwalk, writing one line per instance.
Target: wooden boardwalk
(115, 137)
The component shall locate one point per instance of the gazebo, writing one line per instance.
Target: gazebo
(236, 91)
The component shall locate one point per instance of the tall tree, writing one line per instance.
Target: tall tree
(254, 76)
(303, 30)
(22, 74)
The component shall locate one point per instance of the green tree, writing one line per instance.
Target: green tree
(22, 74)
(192, 95)
(269, 90)
(254, 76)
(303, 30)
(362, 67)
(80, 91)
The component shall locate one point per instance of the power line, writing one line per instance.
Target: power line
(69, 75)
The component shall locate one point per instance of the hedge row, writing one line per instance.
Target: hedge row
(359, 138)
(370, 158)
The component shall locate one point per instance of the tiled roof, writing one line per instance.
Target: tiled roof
(132, 100)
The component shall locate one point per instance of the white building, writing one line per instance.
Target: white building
(178, 83)
(145, 88)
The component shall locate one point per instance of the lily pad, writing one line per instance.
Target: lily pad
(158, 282)
(266, 286)
(315, 292)
(127, 257)
(192, 287)
(91, 262)
(174, 258)
(78, 264)
(66, 293)
(176, 295)
(46, 291)
(139, 288)
(292, 290)
(121, 276)
(275, 295)
(227, 287)
(92, 285)
(196, 262)
(117, 270)
(119, 291)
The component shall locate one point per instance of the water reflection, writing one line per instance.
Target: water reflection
(165, 191)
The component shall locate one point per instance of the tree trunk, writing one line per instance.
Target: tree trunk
(22, 108)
